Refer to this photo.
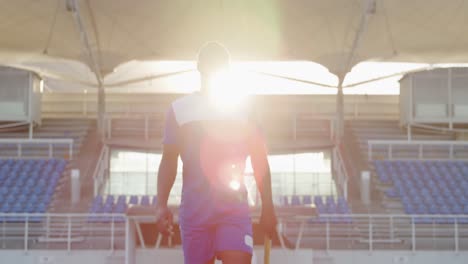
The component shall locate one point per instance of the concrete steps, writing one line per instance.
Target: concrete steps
(85, 162)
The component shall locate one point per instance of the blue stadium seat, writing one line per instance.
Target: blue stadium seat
(421, 209)
(456, 209)
(98, 199)
(343, 210)
(26, 185)
(107, 208)
(330, 200)
(29, 208)
(318, 200)
(295, 200)
(40, 208)
(341, 201)
(465, 209)
(322, 209)
(17, 208)
(133, 199)
(122, 199)
(22, 198)
(5, 207)
(11, 198)
(109, 199)
(120, 208)
(307, 199)
(331, 209)
(50, 190)
(145, 200)
(463, 200)
(4, 190)
(435, 187)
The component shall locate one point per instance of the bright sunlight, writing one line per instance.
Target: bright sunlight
(228, 91)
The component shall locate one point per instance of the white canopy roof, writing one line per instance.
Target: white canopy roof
(65, 41)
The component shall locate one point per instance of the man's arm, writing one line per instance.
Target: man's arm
(262, 176)
(167, 173)
(168, 166)
(166, 177)
(261, 168)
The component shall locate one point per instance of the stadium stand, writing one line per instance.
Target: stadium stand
(427, 187)
(27, 186)
(337, 208)
(357, 135)
(42, 165)
(340, 207)
(110, 204)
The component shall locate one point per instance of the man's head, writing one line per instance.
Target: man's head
(213, 57)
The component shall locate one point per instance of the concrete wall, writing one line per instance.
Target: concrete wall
(316, 106)
(462, 136)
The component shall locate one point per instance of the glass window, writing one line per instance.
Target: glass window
(292, 174)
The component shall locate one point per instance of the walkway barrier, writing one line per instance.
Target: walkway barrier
(377, 231)
(417, 149)
(35, 148)
(112, 232)
(101, 171)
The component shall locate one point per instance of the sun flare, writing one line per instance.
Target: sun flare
(228, 90)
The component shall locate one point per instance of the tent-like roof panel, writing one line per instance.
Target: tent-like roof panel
(118, 31)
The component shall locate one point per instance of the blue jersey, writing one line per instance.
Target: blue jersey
(213, 146)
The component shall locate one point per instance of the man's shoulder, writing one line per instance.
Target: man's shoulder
(184, 101)
(185, 108)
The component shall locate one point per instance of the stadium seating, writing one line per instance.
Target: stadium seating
(427, 187)
(109, 205)
(102, 206)
(332, 207)
(27, 186)
(327, 206)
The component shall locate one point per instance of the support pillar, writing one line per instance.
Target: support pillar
(75, 186)
(339, 127)
(365, 188)
(130, 243)
(101, 110)
(31, 129)
(409, 132)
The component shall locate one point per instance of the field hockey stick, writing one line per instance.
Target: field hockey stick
(266, 250)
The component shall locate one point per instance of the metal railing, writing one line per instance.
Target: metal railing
(22, 146)
(31, 231)
(73, 232)
(143, 124)
(101, 171)
(372, 231)
(340, 170)
(417, 149)
(378, 231)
